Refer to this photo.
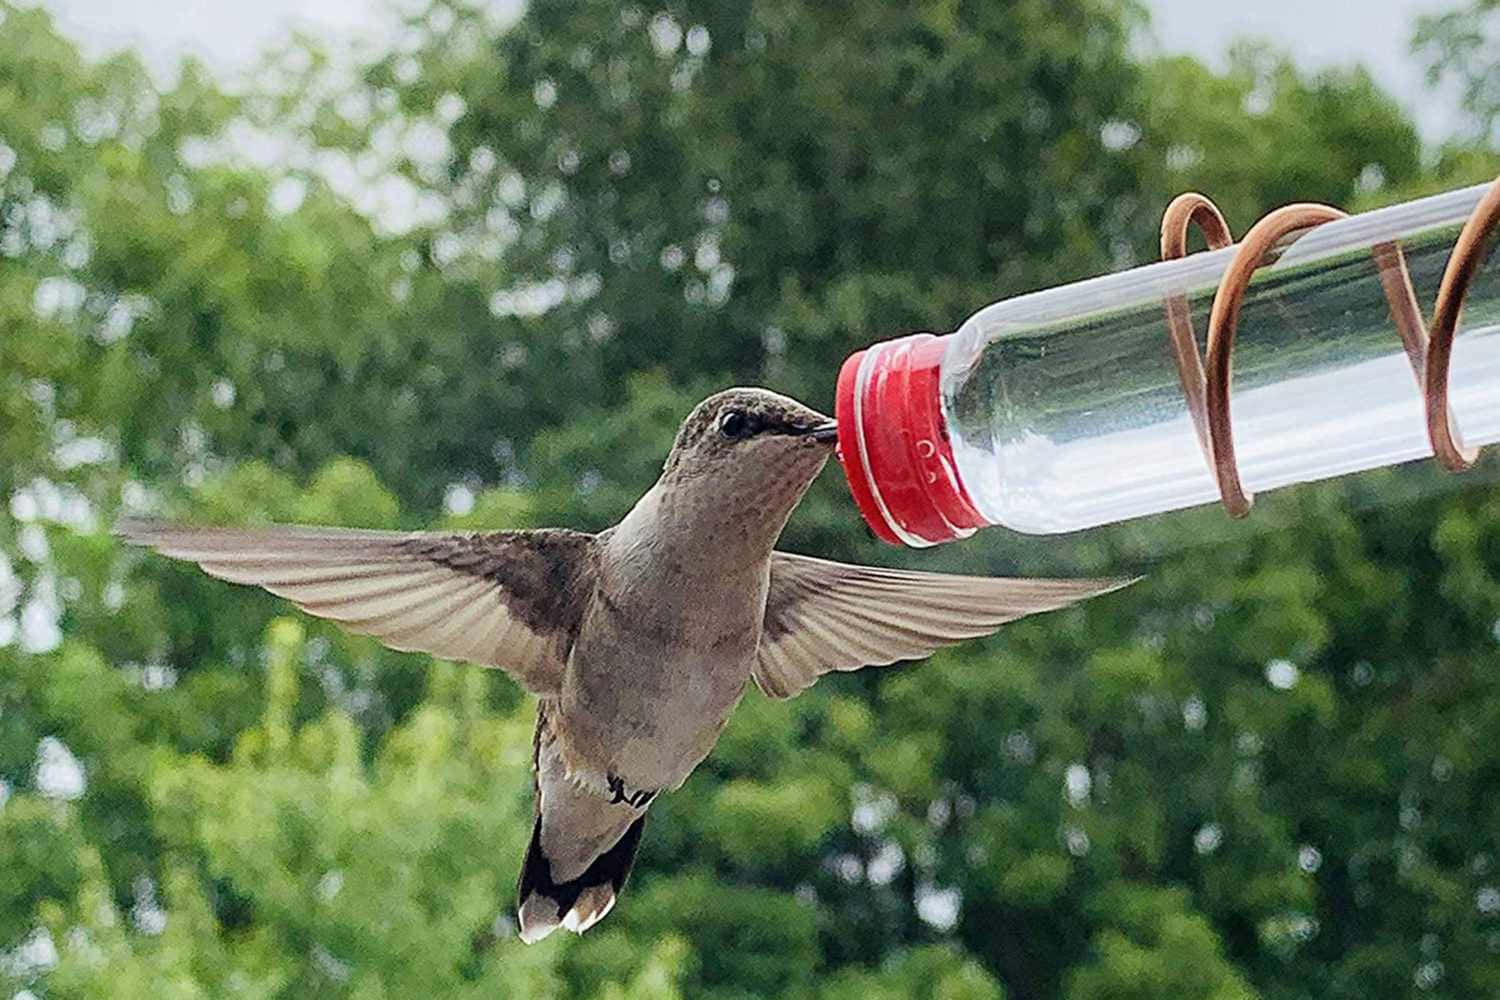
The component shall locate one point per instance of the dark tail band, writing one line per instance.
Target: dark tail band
(606, 877)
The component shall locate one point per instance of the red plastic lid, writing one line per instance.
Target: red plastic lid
(894, 444)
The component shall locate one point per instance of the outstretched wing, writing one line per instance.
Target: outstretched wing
(510, 599)
(823, 616)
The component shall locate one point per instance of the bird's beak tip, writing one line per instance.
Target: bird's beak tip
(825, 433)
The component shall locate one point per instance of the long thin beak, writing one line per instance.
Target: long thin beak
(825, 433)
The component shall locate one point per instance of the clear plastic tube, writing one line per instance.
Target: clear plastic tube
(1063, 409)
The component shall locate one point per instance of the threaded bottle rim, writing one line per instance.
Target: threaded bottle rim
(894, 446)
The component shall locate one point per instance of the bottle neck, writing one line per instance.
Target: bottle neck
(894, 445)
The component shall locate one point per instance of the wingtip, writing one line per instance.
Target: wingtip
(136, 530)
(1075, 590)
(1099, 587)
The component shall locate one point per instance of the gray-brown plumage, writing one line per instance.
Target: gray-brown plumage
(638, 641)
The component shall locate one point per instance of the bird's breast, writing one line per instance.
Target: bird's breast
(646, 694)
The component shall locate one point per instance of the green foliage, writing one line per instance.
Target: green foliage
(1314, 137)
(1157, 948)
(931, 972)
(1458, 48)
(1264, 771)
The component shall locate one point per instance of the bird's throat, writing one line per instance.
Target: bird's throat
(672, 543)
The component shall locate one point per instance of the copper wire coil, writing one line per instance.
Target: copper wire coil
(1429, 348)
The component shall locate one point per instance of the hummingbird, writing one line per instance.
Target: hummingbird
(637, 641)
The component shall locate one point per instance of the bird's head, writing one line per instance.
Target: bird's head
(750, 450)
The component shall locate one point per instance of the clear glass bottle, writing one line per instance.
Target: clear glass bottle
(1063, 409)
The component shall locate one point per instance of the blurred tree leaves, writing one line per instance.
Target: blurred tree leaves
(1458, 48)
(483, 281)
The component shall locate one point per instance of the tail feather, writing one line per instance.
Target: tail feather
(576, 904)
(593, 903)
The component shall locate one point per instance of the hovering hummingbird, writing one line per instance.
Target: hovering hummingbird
(638, 641)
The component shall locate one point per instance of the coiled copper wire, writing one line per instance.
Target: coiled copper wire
(1429, 348)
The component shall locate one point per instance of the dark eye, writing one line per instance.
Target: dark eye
(735, 424)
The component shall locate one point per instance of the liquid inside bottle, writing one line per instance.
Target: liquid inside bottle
(1064, 409)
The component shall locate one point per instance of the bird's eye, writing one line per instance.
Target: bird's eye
(734, 424)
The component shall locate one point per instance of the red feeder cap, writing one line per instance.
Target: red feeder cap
(894, 447)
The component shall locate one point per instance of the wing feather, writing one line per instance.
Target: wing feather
(823, 616)
(511, 599)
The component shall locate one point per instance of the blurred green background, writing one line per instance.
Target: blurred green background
(478, 283)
